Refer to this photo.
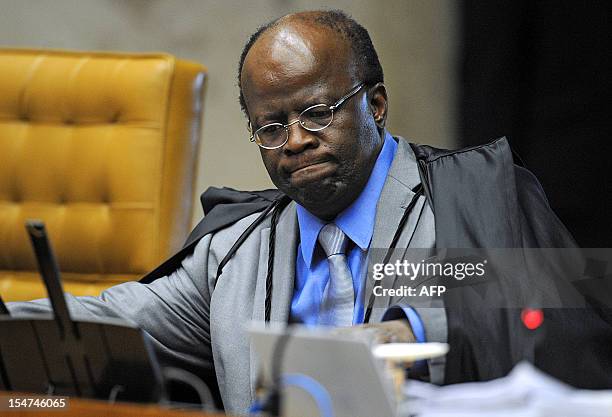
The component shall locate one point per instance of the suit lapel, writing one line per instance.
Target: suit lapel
(396, 194)
(395, 197)
(283, 278)
(287, 235)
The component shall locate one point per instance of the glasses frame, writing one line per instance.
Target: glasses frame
(342, 100)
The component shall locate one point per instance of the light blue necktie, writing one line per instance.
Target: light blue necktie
(339, 296)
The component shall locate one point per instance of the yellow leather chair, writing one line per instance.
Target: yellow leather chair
(102, 147)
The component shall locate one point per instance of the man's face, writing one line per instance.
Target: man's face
(288, 69)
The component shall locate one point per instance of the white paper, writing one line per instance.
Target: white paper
(524, 392)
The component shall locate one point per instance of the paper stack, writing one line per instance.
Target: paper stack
(524, 392)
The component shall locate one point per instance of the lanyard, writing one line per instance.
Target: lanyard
(418, 191)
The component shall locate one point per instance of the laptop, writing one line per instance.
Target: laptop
(323, 372)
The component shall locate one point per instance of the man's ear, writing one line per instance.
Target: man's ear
(377, 95)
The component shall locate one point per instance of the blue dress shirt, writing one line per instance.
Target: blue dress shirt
(357, 222)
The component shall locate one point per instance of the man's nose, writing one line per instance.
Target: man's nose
(299, 139)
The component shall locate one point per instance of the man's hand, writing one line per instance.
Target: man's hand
(393, 331)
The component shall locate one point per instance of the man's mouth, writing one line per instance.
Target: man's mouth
(312, 171)
(306, 166)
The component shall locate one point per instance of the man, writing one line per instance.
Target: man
(312, 89)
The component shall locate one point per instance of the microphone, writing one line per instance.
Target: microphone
(532, 319)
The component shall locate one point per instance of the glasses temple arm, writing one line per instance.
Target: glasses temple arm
(347, 96)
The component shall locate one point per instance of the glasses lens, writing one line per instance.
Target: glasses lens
(271, 135)
(316, 117)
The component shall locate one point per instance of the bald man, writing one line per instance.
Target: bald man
(311, 87)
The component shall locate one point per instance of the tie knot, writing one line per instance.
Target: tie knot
(332, 240)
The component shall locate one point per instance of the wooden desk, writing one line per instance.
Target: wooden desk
(92, 408)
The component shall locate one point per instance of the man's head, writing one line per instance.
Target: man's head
(305, 59)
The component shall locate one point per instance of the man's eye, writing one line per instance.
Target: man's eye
(318, 114)
(270, 129)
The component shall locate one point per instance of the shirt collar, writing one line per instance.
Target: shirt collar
(357, 220)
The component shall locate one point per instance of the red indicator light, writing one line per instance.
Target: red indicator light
(532, 318)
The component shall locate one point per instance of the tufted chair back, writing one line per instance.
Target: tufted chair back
(102, 147)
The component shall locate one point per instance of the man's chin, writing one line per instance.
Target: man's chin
(319, 197)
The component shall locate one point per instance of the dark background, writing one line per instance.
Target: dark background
(539, 73)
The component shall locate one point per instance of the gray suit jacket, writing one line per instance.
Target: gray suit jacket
(198, 321)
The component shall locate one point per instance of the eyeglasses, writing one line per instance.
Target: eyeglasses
(313, 119)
